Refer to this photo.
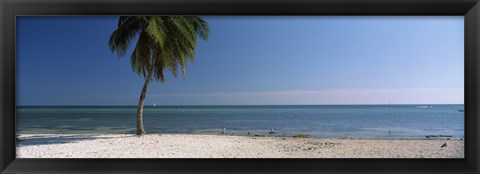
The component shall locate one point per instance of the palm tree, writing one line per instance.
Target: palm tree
(164, 43)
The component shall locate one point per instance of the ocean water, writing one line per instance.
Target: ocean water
(329, 121)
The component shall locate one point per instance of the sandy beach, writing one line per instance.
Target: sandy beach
(222, 146)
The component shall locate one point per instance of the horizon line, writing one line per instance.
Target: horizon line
(387, 104)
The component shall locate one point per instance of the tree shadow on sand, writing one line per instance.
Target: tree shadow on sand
(58, 139)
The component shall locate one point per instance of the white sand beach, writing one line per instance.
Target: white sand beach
(223, 146)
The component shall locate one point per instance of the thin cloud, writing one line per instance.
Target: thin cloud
(322, 96)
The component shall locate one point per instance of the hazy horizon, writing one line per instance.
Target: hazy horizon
(251, 60)
(373, 104)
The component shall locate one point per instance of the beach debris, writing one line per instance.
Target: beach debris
(256, 135)
(310, 148)
(314, 145)
(444, 145)
(271, 131)
(438, 136)
(224, 131)
(301, 136)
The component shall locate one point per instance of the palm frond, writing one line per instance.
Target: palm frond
(155, 30)
(168, 41)
(120, 39)
(201, 26)
(140, 59)
(185, 29)
(122, 19)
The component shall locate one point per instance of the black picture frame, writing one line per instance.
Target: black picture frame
(9, 9)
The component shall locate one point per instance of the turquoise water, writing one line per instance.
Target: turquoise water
(334, 121)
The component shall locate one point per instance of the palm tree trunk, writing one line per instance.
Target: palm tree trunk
(141, 101)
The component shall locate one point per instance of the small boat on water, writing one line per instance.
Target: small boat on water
(461, 110)
(425, 106)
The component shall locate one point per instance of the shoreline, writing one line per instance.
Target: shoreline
(433, 137)
(227, 146)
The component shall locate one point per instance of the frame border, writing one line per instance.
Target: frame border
(470, 9)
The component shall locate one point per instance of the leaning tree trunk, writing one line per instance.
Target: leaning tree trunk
(141, 101)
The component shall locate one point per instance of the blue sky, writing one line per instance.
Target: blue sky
(252, 60)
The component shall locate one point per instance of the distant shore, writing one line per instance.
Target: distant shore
(221, 146)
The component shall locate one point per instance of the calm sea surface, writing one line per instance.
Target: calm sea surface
(337, 121)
